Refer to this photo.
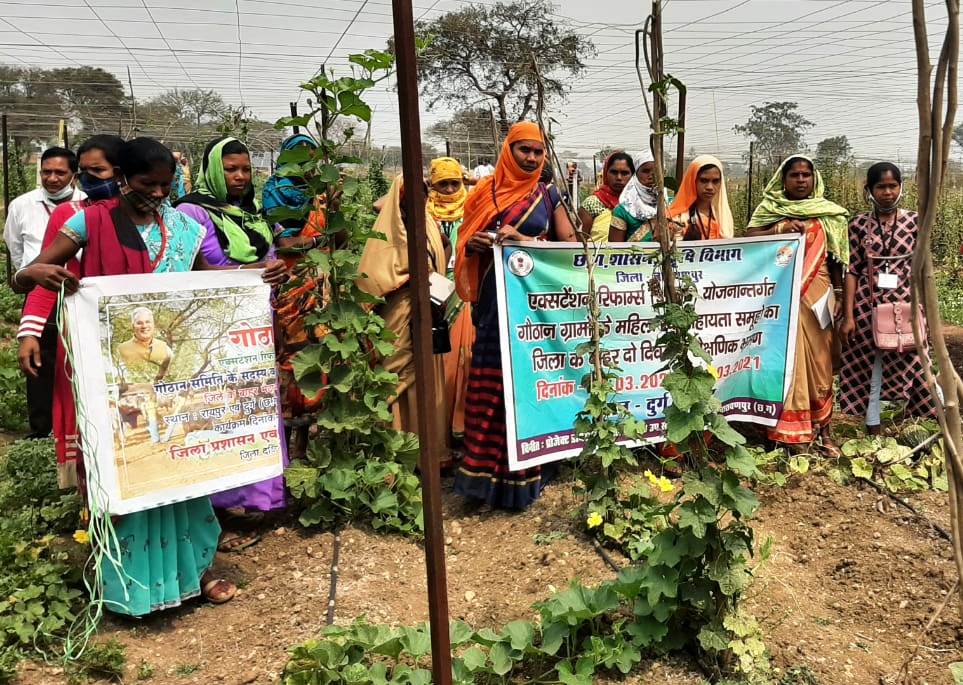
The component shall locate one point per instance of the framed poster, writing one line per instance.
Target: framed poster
(175, 385)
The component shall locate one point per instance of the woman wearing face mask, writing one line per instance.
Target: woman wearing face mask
(794, 202)
(881, 244)
(511, 204)
(167, 551)
(701, 210)
(446, 204)
(596, 212)
(98, 158)
(637, 204)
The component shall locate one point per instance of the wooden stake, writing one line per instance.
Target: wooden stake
(430, 457)
(6, 186)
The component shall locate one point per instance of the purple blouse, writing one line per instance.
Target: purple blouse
(210, 246)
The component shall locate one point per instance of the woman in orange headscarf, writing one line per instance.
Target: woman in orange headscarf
(701, 210)
(511, 204)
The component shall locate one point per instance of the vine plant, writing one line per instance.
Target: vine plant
(358, 466)
(694, 545)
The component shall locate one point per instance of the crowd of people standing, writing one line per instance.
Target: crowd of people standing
(133, 207)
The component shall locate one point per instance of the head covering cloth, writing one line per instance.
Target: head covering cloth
(604, 193)
(384, 262)
(640, 201)
(446, 207)
(689, 193)
(242, 232)
(775, 207)
(285, 191)
(493, 195)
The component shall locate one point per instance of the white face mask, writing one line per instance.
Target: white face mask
(61, 194)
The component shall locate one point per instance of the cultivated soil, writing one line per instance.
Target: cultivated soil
(850, 584)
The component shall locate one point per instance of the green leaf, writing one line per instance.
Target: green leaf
(416, 641)
(705, 483)
(473, 658)
(500, 657)
(582, 674)
(696, 515)
(681, 424)
(520, 634)
(799, 464)
(724, 432)
(688, 391)
(713, 639)
(956, 670)
(741, 500)
(861, 467)
(661, 581)
(740, 460)
(328, 173)
(459, 633)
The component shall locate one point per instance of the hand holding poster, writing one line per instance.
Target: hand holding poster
(747, 323)
(175, 386)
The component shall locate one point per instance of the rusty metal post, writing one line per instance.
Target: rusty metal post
(430, 457)
(680, 141)
(6, 187)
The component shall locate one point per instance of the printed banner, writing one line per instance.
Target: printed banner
(178, 385)
(747, 322)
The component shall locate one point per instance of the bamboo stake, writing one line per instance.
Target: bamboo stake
(933, 157)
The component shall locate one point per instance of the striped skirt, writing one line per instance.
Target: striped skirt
(483, 474)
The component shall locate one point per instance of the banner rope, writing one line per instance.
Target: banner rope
(104, 545)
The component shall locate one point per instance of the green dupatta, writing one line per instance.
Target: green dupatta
(776, 207)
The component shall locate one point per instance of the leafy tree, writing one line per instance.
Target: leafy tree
(469, 133)
(834, 153)
(777, 130)
(90, 95)
(195, 105)
(485, 53)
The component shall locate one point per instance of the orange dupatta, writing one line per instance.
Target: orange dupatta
(487, 201)
(722, 225)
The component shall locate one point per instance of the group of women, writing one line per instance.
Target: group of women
(838, 294)
(127, 226)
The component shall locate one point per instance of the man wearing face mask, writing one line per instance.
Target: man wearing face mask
(28, 214)
(38, 354)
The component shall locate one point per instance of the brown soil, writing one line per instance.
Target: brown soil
(954, 341)
(850, 584)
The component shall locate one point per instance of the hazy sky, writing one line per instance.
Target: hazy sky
(850, 64)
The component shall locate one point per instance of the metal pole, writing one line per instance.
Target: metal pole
(749, 196)
(595, 170)
(447, 148)
(294, 113)
(6, 187)
(680, 143)
(429, 459)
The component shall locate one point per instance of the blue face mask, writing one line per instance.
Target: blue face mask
(98, 188)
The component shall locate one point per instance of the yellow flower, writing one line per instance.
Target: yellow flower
(81, 537)
(664, 484)
(712, 371)
(594, 520)
(651, 476)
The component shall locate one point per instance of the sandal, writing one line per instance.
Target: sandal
(232, 541)
(209, 590)
(829, 448)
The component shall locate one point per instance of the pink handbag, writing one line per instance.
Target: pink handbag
(892, 321)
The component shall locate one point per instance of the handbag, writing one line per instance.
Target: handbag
(892, 321)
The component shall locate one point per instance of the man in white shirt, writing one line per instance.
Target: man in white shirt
(483, 169)
(23, 233)
(27, 215)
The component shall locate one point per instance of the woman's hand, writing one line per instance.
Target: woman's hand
(50, 276)
(794, 226)
(846, 331)
(29, 356)
(480, 243)
(509, 232)
(275, 272)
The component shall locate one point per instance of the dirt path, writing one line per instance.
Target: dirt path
(845, 593)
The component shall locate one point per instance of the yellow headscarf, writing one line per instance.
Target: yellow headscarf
(384, 263)
(446, 207)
